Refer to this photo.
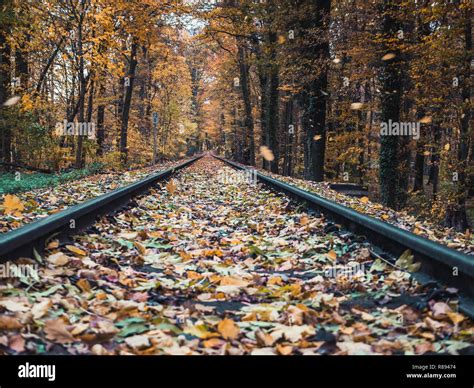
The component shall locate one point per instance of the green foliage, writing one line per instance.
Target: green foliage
(30, 181)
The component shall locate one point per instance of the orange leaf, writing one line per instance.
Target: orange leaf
(228, 329)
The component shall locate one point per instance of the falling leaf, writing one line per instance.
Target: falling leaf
(356, 105)
(317, 137)
(56, 330)
(267, 153)
(388, 56)
(13, 205)
(228, 329)
(426, 120)
(447, 146)
(12, 101)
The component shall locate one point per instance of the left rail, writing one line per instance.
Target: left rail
(23, 242)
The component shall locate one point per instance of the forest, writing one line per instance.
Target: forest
(300, 88)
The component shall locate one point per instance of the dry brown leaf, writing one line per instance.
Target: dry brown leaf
(40, 309)
(13, 306)
(231, 281)
(56, 330)
(228, 329)
(58, 259)
(9, 323)
(171, 187)
(84, 285)
(17, 343)
(140, 247)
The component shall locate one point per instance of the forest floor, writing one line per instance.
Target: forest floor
(32, 205)
(199, 266)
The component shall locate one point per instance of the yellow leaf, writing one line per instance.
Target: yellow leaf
(426, 120)
(456, 317)
(447, 146)
(12, 205)
(317, 137)
(76, 250)
(364, 199)
(228, 329)
(385, 216)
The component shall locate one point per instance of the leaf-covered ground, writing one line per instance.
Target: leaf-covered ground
(463, 242)
(22, 208)
(199, 266)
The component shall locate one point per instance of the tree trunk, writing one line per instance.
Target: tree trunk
(456, 215)
(245, 88)
(391, 97)
(127, 103)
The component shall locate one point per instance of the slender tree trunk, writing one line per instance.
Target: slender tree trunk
(456, 215)
(245, 88)
(127, 103)
(391, 98)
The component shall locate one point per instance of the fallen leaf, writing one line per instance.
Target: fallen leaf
(39, 310)
(56, 330)
(9, 323)
(76, 250)
(13, 306)
(12, 205)
(58, 259)
(228, 329)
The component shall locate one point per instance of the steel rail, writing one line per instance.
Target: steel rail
(437, 261)
(22, 242)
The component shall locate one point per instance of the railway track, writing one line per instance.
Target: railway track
(437, 261)
(219, 267)
(31, 238)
